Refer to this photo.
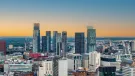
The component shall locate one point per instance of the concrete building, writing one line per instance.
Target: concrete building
(94, 61)
(74, 61)
(46, 68)
(62, 67)
(108, 60)
(36, 38)
(79, 43)
(91, 39)
(48, 38)
(85, 60)
(128, 71)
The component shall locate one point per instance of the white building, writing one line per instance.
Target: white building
(109, 60)
(85, 60)
(74, 61)
(94, 61)
(46, 68)
(128, 71)
(62, 68)
(11, 46)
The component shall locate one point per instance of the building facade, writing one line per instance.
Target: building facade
(54, 40)
(44, 44)
(74, 61)
(62, 67)
(64, 43)
(91, 39)
(36, 38)
(79, 43)
(46, 68)
(2, 47)
(48, 36)
(94, 61)
(107, 71)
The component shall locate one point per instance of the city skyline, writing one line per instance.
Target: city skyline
(111, 18)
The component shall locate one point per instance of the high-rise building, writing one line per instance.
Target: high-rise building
(44, 44)
(132, 45)
(91, 39)
(94, 61)
(64, 42)
(48, 36)
(3, 47)
(54, 40)
(36, 38)
(79, 43)
(59, 44)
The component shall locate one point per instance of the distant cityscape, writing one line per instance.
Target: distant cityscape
(55, 54)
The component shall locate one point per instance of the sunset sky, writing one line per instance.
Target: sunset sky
(111, 18)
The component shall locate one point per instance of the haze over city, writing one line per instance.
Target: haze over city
(111, 18)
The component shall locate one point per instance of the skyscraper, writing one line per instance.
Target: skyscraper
(54, 40)
(48, 36)
(79, 43)
(132, 45)
(91, 39)
(64, 42)
(36, 38)
(59, 44)
(44, 44)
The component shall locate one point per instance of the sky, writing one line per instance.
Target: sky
(110, 18)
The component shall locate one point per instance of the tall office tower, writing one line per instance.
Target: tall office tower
(91, 39)
(79, 43)
(48, 35)
(2, 47)
(44, 44)
(64, 43)
(36, 38)
(132, 45)
(59, 44)
(94, 61)
(54, 40)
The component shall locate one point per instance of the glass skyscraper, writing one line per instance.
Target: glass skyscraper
(36, 38)
(91, 39)
(58, 44)
(79, 43)
(48, 38)
(44, 44)
(64, 42)
(54, 40)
